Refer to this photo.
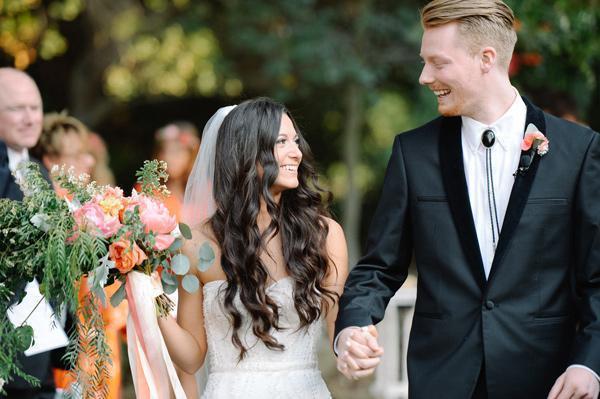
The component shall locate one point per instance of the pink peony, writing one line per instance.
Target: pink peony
(111, 201)
(92, 219)
(156, 219)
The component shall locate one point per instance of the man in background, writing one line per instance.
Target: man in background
(21, 118)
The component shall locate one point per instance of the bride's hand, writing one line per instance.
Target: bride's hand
(359, 352)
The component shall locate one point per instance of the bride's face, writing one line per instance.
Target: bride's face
(288, 156)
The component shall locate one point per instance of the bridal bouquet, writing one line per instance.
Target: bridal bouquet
(100, 233)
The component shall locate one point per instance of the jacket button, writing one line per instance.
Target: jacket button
(489, 305)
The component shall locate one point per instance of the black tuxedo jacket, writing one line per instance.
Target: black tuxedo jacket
(37, 365)
(539, 310)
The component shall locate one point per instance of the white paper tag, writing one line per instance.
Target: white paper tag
(47, 331)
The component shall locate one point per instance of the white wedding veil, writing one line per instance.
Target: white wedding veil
(198, 201)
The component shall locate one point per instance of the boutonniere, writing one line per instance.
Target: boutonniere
(533, 143)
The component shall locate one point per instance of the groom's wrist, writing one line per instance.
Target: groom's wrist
(581, 366)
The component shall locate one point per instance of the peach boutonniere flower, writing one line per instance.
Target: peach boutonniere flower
(534, 139)
(533, 143)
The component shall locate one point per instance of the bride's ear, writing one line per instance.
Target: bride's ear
(260, 170)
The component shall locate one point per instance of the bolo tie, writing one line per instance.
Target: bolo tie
(488, 138)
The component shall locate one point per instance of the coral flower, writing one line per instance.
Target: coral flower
(125, 255)
(535, 137)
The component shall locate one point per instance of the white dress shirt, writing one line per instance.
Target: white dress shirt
(16, 157)
(506, 152)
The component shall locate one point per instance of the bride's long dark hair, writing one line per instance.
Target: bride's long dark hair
(246, 140)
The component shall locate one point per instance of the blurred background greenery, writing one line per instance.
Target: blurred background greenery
(347, 69)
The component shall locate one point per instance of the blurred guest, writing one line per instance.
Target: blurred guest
(101, 172)
(66, 141)
(20, 127)
(177, 144)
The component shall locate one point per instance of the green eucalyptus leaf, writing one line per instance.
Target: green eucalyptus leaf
(118, 296)
(169, 288)
(190, 283)
(101, 295)
(168, 278)
(177, 244)
(206, 257)
(185, 230)
(180, 264)
(99, 276)
(24, 336)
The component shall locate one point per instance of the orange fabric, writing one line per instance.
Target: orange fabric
(115, 320)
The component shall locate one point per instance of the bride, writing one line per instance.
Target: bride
(273, 264)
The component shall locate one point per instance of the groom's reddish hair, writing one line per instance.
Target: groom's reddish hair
(481, 23)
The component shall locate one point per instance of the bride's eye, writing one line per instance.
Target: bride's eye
(280, 141)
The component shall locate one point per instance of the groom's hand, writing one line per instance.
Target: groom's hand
(359, 353)
(575, 383)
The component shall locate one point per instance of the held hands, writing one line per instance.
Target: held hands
(575, 383)
(359, 352)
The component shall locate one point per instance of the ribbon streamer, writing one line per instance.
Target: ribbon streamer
(154, 375)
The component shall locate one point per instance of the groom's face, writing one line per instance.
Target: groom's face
(449, 71)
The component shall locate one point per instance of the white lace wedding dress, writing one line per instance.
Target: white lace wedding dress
(264, 373)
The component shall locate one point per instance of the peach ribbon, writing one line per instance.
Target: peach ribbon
(154, 375)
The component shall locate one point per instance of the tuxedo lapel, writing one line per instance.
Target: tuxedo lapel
(520, 191)
(5, 176)
(455, 184)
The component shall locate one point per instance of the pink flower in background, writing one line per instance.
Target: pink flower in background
(92, 219)
(157, 219)
(537, 138)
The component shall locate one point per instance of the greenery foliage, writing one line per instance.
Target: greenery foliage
(36, 241)
(49, 238)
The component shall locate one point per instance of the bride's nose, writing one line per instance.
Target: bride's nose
(295, 152)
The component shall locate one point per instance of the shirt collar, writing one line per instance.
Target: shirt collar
(508, 128)
(16, 157)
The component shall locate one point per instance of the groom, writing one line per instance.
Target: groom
(507, 242)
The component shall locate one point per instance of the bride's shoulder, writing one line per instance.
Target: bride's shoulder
(335, 231)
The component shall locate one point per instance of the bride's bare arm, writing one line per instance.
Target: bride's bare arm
(185, 337)
(338, 271)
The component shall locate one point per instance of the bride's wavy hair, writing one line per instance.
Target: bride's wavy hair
(245, 143)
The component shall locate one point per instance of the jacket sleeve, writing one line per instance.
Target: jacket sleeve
(586, 349)
(384, 267)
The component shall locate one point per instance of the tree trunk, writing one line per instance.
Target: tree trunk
(87, 99)
(352, 203)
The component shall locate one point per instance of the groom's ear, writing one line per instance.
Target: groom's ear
(488, 57)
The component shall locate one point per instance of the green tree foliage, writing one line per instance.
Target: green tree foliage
(558, 49)
(351, 66)
(29, 29)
